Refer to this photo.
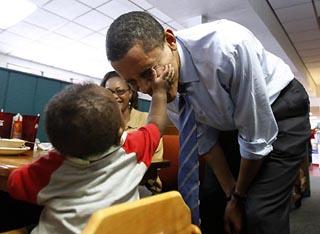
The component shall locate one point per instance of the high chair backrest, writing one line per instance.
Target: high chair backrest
(169, 176)
(164, 213)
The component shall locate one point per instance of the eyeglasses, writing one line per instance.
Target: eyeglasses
(119, 92)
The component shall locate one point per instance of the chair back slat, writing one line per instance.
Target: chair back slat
(163, 213)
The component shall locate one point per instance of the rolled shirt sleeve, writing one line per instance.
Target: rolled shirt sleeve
(253, 115)
(254, 150)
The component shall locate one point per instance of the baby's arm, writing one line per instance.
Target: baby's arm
(158, 109)
(25, 182)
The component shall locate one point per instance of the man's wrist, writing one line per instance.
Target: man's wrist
(235, 195)
(229, 194)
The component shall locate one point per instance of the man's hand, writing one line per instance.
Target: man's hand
(234, 217)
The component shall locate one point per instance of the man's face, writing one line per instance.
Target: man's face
(137, 65)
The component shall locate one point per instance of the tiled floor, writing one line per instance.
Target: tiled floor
(305, 220)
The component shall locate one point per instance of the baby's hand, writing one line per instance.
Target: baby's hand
(164, 77)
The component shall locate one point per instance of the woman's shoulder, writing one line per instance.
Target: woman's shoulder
(138, 114)
(137, 119)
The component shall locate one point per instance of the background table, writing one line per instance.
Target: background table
(10, 162)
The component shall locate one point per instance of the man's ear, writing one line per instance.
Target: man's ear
(170, 39)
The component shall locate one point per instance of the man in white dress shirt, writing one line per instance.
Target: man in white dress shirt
(251, 114)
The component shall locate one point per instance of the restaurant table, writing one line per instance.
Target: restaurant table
(10, 162)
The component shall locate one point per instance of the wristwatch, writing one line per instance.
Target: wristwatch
(236, 195)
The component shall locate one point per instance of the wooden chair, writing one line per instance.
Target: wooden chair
(17, 231)
(165, 213)
(169, 176)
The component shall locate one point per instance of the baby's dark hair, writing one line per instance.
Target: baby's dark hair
(136, 27)
(133, 87)
(83, 120)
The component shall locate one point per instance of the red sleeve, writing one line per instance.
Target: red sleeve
(25, 182)
(143, 142)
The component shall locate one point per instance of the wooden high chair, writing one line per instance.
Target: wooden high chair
(165, 213)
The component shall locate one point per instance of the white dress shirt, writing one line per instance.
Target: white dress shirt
(231, 81)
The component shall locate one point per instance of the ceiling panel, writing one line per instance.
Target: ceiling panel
(95, 40)
(40, 3)
(55, 40)
(301, 25)
(305, 36)
(13, 39)
(175, 25)
(94, 3)
(34, 51)
(307, 44)
(315, 73)
(184, 9)
(70, 9)
(142, 3)
(299, 20)
(83, 51)
(103, 31)
(73, 31)
(313, 65)
(276, 4)
(94, 20)
(116, 8)
(159, 15)
(27, 30)
(295, 12)
(45, 19)
(61, 30)
(310, 52)
(311, 59)
(5, 48)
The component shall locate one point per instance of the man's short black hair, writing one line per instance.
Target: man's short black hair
(136, 27)
(83, 120)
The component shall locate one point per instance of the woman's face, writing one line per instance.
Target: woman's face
(120, 91)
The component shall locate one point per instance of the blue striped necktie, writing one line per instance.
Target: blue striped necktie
(188, 175)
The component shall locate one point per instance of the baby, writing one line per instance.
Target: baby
(95, 164)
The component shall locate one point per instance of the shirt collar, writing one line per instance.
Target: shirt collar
(93, 158)
(188, 71)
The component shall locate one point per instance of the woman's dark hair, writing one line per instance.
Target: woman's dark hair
(136, 27)
(132, 86)
(83, 120)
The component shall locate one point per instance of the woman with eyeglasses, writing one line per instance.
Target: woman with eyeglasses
(127, 97)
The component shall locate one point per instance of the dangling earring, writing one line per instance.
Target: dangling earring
(129, 105)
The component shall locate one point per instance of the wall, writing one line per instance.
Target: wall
(27, 94)
(11, 62)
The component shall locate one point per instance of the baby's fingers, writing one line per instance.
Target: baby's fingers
(168, 74)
